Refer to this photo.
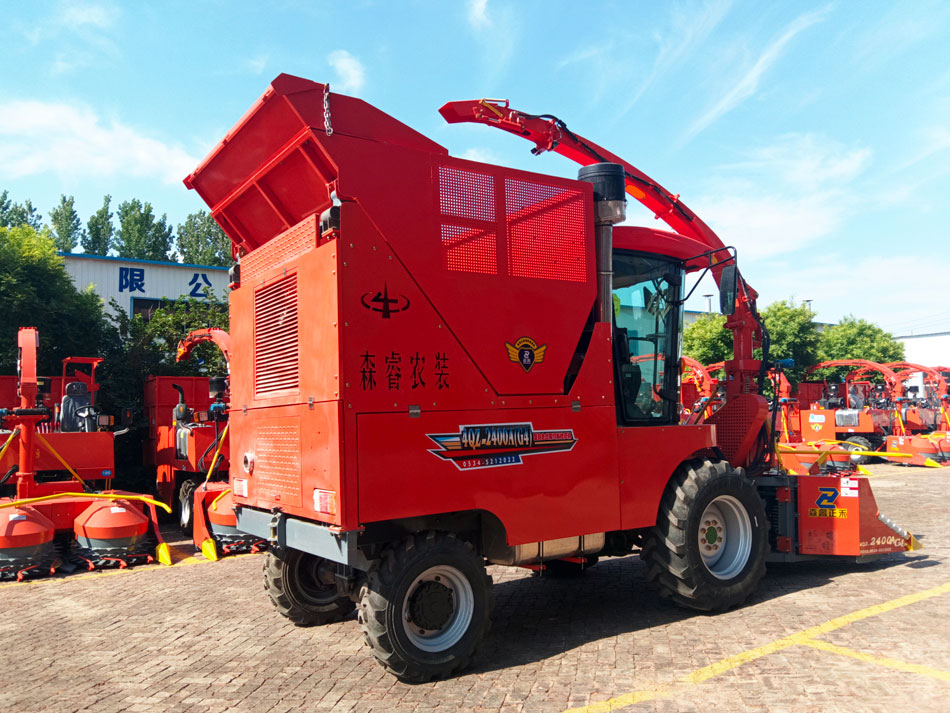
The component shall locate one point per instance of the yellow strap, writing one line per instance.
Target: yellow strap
(214, 503)
(14, 434)
(60, 459)
(217, 452)
(90, 496)
(900, 422)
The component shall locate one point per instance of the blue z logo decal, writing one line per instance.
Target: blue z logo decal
(827, 497)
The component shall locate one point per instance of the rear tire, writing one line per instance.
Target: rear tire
(710, 542)
(186, 506)
(859, 443)
(426, 606)
(302, 587)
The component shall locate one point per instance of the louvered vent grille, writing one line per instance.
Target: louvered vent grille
(276, 352)
(285, 247)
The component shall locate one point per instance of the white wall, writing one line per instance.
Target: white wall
(122, 279)
(928, 349)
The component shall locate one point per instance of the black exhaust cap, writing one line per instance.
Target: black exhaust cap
(607, 179)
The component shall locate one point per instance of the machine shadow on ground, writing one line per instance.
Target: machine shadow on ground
(537, 618)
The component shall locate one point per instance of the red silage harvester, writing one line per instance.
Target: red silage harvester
(56, 518)
(439, 363)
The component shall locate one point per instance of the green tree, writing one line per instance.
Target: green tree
(136, 347)
(707, 340)
(793, 335)
(36, 291)
(140, 235)
(202, 242)
(13, 215)
(67, 227)
(97, 239)
(854, 338)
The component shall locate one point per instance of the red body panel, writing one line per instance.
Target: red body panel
(91, 455)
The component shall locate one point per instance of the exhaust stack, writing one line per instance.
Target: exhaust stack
(609, 209)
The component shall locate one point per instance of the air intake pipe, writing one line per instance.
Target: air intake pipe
(609, 209)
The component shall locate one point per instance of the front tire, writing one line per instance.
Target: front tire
(710, 542)
(426, 606)
(302, 587)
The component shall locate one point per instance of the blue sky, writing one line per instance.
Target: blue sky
(814, 137)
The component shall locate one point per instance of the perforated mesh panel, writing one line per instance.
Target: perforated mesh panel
(276, 357)
(543, 228)
(466, 194)
(545, 231)
(277, 469)
(469, 249)
(285, 247)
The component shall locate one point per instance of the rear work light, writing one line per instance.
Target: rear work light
(324, 501)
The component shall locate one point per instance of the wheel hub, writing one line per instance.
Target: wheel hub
(725, 537)
(431, 606)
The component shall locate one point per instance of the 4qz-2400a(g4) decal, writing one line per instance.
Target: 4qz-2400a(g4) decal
(494, 445)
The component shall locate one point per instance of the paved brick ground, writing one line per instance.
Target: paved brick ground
(204, 638)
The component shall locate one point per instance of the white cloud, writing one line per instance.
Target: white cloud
(748, 84)
(839, 285)
(74, 142)
(690, 28)
(478, 14)
(75, 15)
(482, 155)
(809, 194)
(936, 140)
(350, 71)
(257, 64)
(766, 224)
(806, 160)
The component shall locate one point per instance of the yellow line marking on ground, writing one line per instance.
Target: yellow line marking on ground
(879, 660)
(802, 638)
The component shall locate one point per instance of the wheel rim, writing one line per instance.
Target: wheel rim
(725, 537)
(438, 608)
(316, 579)
(856, 447)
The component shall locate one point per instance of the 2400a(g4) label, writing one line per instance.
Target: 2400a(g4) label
(494, 445)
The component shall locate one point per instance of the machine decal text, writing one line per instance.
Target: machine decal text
(500, 444)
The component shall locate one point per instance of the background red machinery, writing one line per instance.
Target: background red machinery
(874, 416)
(56, 518)
(430, 371)
(188, 445)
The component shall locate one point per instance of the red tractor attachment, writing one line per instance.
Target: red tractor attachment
(50, 522)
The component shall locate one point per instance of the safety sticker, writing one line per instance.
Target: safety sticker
(498, 444)
(849, 487)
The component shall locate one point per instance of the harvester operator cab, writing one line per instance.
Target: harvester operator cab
(77, 414)
(647, 312)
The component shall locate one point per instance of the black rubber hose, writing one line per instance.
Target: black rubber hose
(6, 477)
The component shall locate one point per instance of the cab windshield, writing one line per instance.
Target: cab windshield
(647, 290)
